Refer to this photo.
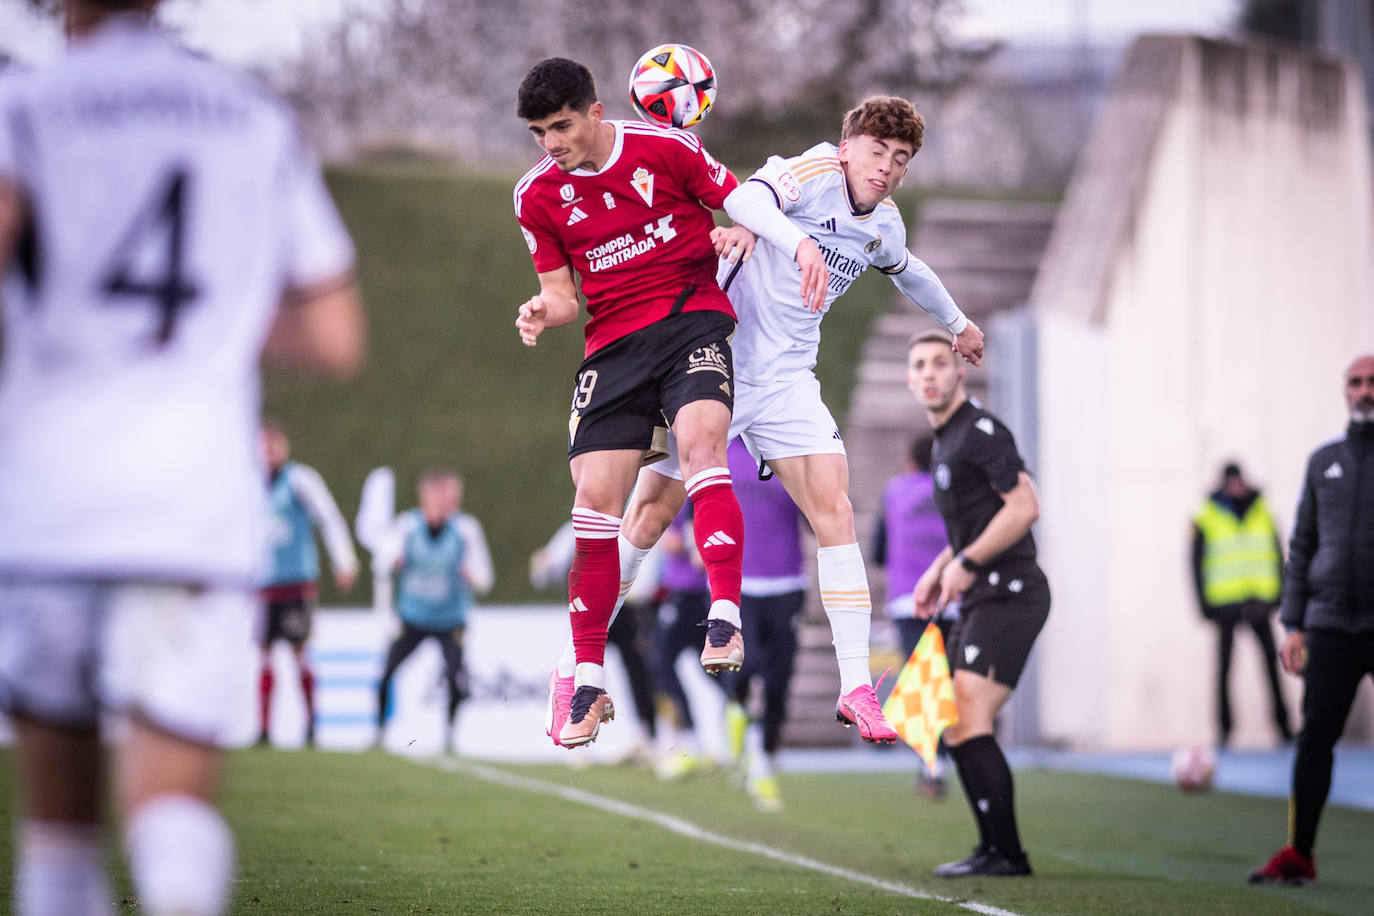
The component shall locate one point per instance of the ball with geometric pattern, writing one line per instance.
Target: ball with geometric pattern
(673, 85)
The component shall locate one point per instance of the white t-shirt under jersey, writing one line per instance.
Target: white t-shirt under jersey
(778, 337)
(170, 206)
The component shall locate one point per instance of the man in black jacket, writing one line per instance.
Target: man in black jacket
(1328, 614)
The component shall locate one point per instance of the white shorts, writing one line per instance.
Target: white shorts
(170, 654)
(783, 420)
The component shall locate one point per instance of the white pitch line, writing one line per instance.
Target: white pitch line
(684, 828)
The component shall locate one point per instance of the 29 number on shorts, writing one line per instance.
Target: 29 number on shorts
(586, 382)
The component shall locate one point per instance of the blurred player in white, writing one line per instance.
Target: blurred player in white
(155, 212)
(829, 205)
(299, 502)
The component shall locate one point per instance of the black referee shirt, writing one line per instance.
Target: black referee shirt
(973, 462)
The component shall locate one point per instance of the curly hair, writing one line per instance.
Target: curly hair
(885, 117)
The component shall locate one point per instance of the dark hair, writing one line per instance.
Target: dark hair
(924, 337)
(552, 84)
(1231, 470)
(921, 448)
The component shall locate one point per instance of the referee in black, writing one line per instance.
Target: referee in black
(1327, 613)
(988, 504)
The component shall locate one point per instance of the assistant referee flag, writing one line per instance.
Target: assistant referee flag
(921, 704)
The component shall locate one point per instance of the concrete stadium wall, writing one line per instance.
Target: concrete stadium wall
(1206, 284)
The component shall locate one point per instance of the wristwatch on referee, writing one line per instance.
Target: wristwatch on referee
(964, 561)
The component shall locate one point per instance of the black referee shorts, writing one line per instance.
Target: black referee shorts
(999, 619)
(626, 390)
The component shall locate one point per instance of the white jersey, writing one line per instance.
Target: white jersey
(169, 207)
(778, 337)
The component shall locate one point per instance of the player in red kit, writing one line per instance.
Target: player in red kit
(627, 207)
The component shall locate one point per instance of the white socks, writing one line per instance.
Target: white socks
(59, 870)
(631, 557)
(760, 763)
(589, 674)
(724, 609)
(844, 595)
(181, 856)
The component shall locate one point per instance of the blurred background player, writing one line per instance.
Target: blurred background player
(828, 213)
(149, 252)
(907, 538)
(631, 631)
(628, 205)
(299, 502)
(681, 615)
(441, 561)
(988, 504)
(773, 590)
(1237, 574)
(1328, 615)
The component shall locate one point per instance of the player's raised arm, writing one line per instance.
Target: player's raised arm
(754, 206)
(320, 328)
(920, 284)
(554, 306)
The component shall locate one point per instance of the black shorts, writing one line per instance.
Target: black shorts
(623, 392)
(289, 620)
(999, 619)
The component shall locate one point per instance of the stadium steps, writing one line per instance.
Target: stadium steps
(987, 254)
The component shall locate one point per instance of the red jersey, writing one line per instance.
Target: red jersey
(637, 233)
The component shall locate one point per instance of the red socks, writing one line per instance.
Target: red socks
(265, 699)
(719, 530)
(594, 582)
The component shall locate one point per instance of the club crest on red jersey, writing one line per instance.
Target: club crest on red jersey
(643, 182)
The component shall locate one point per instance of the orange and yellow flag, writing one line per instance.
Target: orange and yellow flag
(921, 704)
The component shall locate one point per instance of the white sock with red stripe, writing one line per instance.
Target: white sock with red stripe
(844, 595)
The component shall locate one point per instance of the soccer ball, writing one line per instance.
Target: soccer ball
(1193, 768)
(673, 85)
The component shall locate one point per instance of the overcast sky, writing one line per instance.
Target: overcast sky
(266, 31)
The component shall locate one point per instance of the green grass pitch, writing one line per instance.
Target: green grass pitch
(372, 833)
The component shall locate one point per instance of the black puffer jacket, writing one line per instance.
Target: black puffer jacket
(1329, 580)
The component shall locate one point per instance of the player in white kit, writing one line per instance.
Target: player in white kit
(156, 210)
(833, 204)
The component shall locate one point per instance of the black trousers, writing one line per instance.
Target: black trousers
(680, 627)
(626, 634)
(1336, 663)
(770, 625)
(450, 643)
(1257, 617)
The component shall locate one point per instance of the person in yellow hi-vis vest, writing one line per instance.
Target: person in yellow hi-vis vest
(1238, 571)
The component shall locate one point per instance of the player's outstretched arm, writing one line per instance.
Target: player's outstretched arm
(554, 306)
(754, 206)
(968, 343)
(920, 284)
(320, 328)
